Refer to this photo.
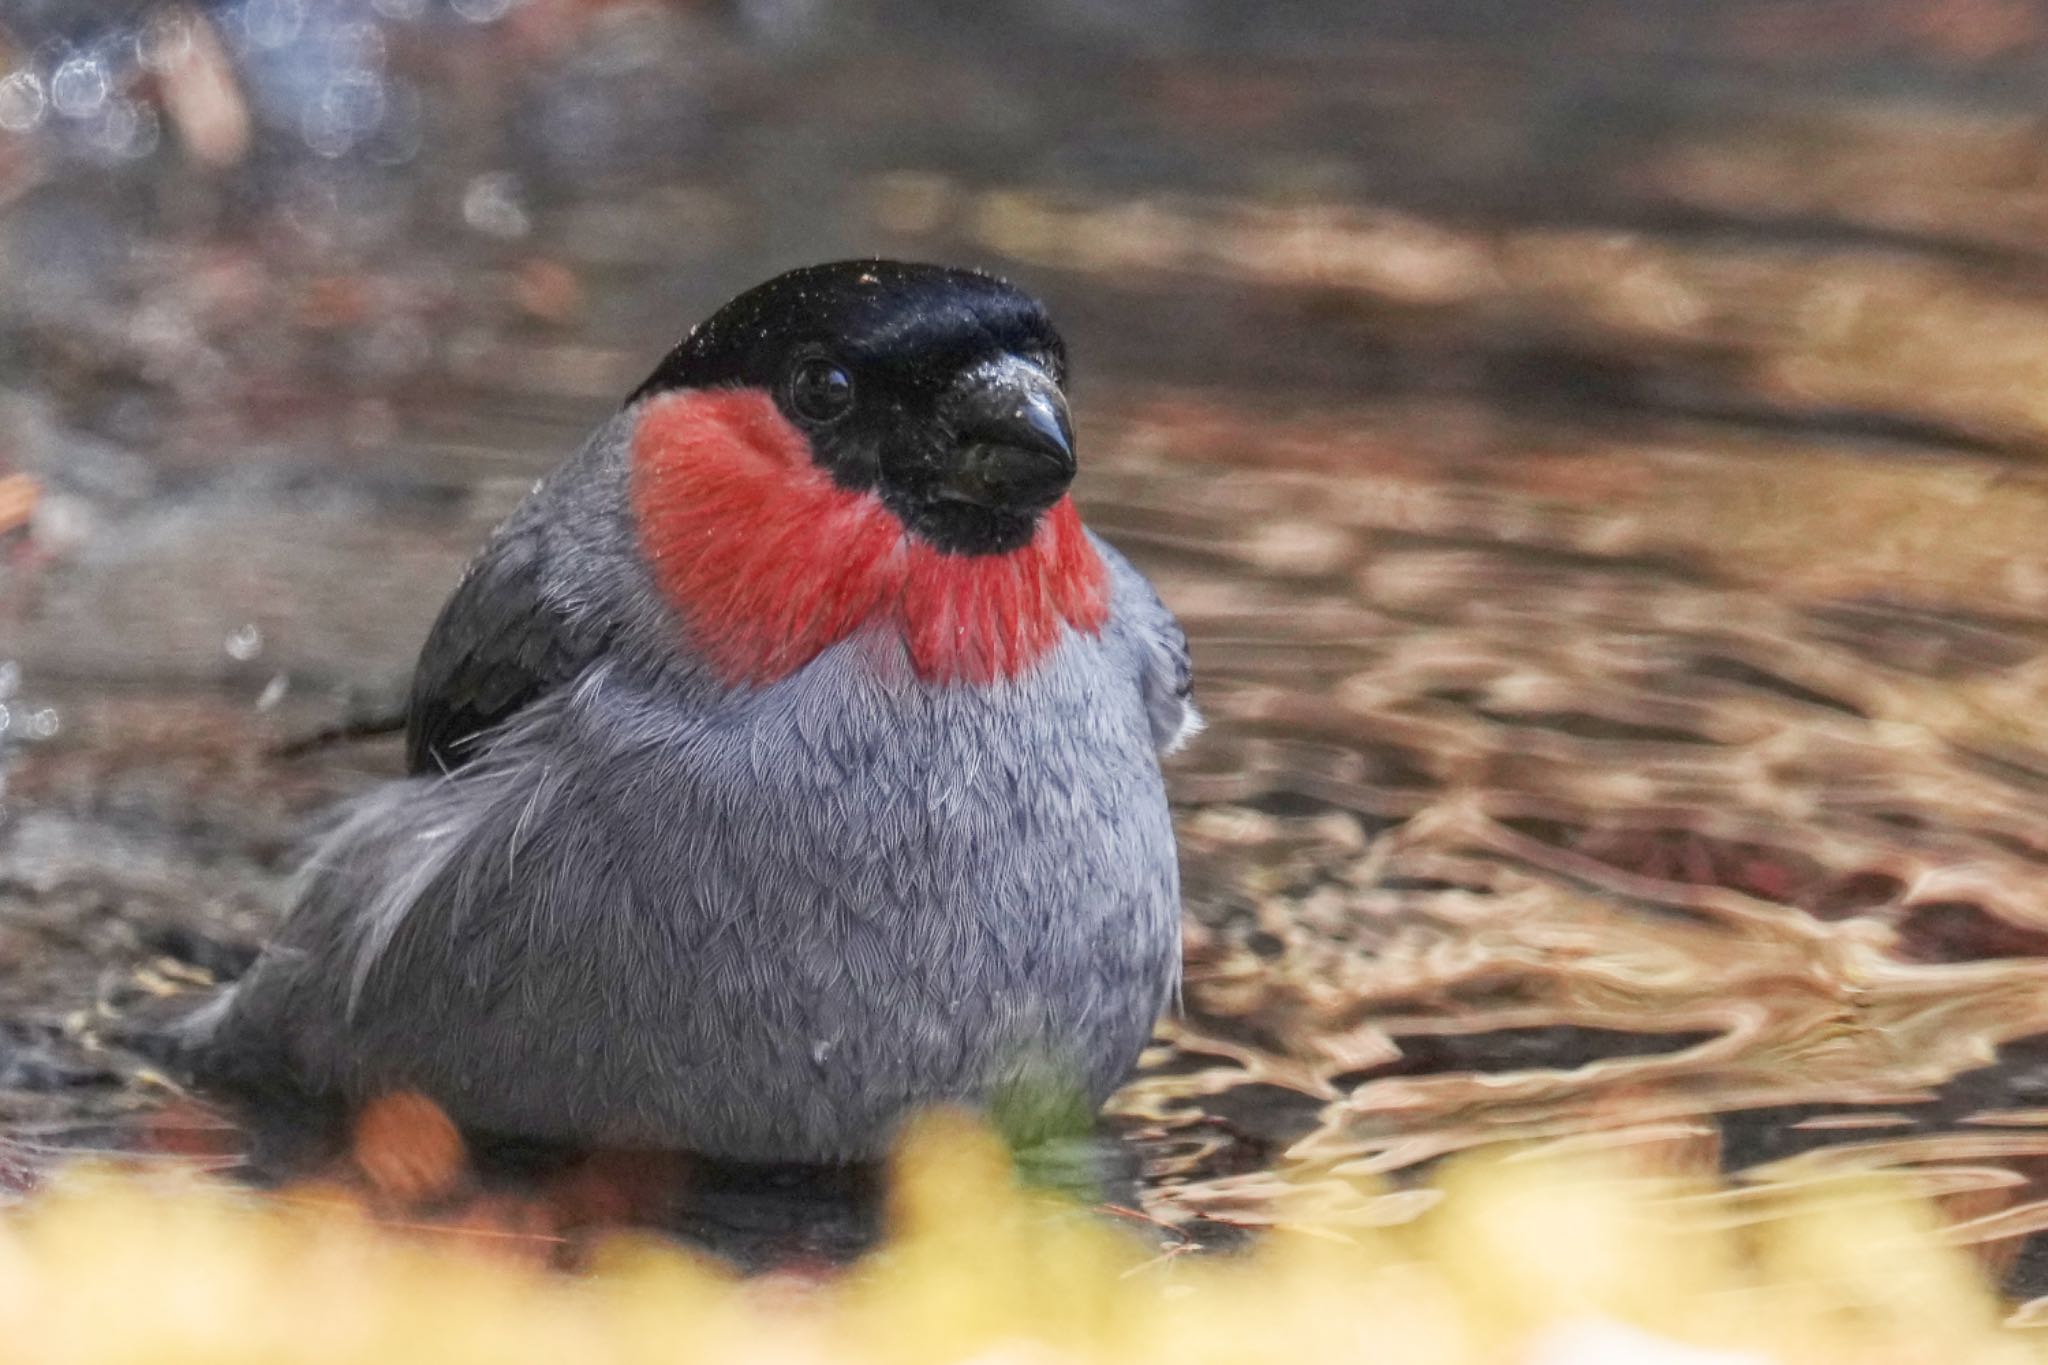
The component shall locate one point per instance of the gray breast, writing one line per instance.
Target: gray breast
(768, 927)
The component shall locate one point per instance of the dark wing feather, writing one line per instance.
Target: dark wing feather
(500, 644)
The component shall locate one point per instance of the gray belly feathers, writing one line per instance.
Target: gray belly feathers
(764, 928)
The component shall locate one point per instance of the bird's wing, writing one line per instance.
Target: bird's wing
(501, 643)
(1170, 698)
(1167, 673)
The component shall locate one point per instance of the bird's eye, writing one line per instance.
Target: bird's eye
(820, 390)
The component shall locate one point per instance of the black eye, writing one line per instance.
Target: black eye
(820, 390)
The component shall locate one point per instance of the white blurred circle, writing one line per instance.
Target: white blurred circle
(79, 87)
(21, 102)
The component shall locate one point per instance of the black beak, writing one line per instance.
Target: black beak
(1015, 440)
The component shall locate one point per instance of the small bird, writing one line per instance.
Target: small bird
(787, 761)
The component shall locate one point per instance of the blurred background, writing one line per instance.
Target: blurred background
(1596, 447)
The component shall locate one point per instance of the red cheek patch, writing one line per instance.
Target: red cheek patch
(770, 563)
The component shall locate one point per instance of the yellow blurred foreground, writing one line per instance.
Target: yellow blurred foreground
(1527, 1262)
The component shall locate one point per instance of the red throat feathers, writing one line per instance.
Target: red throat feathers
(770, 562)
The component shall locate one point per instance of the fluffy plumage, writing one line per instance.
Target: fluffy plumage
(710, 847)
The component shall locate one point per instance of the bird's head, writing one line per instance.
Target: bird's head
(937, 390)
(862, 440)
